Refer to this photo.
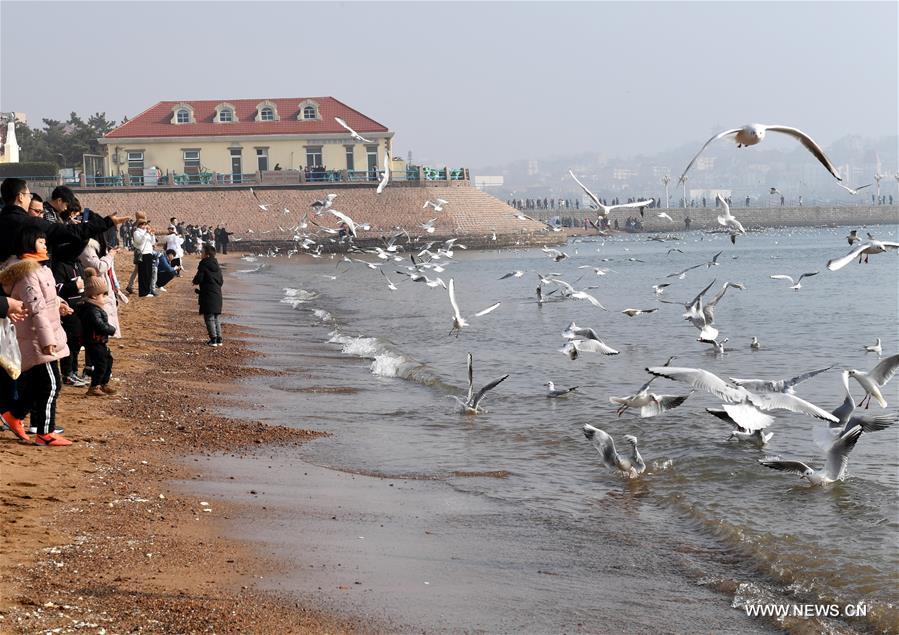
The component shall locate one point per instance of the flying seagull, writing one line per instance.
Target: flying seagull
(863, 250)
(513, 274)
(604, 210)
(755, 344)
(319, 207)
(739, 432)
(852, 237)
(650, 404)
(458, 321)
(437, 205)
(728, 221)
(777, 385)
(795, 284)
(263, 206)
(635, 312)
(471, 405)
(355, 135)
(754, 133)
(386, 176)
(874, 348)
(631, 466)
(665, 215)
(854, 191)
(875, 378)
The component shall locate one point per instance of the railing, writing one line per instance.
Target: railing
(412, 174)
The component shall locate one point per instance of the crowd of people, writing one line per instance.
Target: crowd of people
(60, 290)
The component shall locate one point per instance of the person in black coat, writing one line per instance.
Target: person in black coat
(96, 331)
(209, 278)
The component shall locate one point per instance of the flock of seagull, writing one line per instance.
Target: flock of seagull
(747, 403)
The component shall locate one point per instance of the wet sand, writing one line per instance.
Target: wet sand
(95, 537)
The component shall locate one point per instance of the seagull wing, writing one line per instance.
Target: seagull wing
(701, 380)
(604, 445)
(838, 454)
(355, 134)
(782, 276)
(452, 296)
(483, 391)
(594, 346)
(794, 467)
(808, 275)
(661, 403)
(810, 145)
(470, 379)
(798, 379)
(586, 191)
(680, 273)
(490, 308)
(757, 385)
(346, 219)
(748, 416)
(871, 423)
(701, 293)
(884, 371)
(721, 413)
(583, 295)
(785, 401)
(634, 204)
(720, 135)
(838, 263)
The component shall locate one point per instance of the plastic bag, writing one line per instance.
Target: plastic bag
(10, 355)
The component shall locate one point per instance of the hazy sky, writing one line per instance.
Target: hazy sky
(473, 83)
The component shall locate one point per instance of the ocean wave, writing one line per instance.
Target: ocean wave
(323, 315)
(387, 361)
(296, 297)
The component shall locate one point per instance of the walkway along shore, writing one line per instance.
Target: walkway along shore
(96, 536)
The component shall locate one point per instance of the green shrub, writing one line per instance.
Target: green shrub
(26, 169)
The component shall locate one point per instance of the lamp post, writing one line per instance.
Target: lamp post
(666, 180)
(683, 180)
(877, 177)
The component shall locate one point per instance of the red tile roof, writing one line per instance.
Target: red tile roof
(156, 121)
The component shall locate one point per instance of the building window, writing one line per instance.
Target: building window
(262, 159)
(136, 167)
(183, 116)
(191, 161)
(226, 115)
(371, 153)
(350, 162)
(313, 156)
(267, 114)
(309, 112)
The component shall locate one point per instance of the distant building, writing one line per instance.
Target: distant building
(240, 136)
(482, 182)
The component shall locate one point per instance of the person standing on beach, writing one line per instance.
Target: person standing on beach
(210, 280)
(97, 331)
(143, 247)
(42, 340)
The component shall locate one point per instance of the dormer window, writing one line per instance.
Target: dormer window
(182, 113)
(225, 113)
(266, 111)
(308, 111)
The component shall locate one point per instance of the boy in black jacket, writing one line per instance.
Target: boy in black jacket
(97, 330)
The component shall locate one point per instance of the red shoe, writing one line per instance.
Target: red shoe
(51, 439)
(16, 426)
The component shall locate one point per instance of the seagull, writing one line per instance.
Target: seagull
(683, 273)
(606, 447)
(350, 223)
(570, 292)
(386, 176)
(709, 309)
(796, 284)
(472, 403)
(263, 206)
(521, 216)
(553, 392)
(875, 348)
(437, 205)
(650, 404)
(755, 344)
(635, 312)
(845, 413)
(390, 285)
(458, 321)
(321, 206)
(777, 385)
(429, 226)
(727, 220)
(714, 261)
(855, 191)
(555, 254)
(719, 346)
(863, 250)
(774, 190)
(355, 135)
(753, 133)
(660, 288)
(668, 253)
(604, 210)
(743, 406)
(875, 378)
(852, 237)
(584, 340)
(739, 432)
(599, 271)
(834, 467)
(513, 274)
(665, 215)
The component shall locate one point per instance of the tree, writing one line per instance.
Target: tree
(64, 143)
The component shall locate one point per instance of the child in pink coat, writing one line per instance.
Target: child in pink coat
(41, 338)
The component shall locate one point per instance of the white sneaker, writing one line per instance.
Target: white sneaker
(158, 289)
(33, 430)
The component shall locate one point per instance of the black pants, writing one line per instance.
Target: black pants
(38, 390)
(213, 325)
(224, 246)
(101, 358)
(71, 324)
(145, 274)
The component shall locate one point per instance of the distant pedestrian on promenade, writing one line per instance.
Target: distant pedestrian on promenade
(210, 280)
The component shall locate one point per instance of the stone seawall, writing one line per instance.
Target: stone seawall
(468, 213)
(751, 217)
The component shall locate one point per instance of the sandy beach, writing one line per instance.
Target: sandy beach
(94, 537)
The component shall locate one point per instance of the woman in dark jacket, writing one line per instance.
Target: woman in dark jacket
(209, 277)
